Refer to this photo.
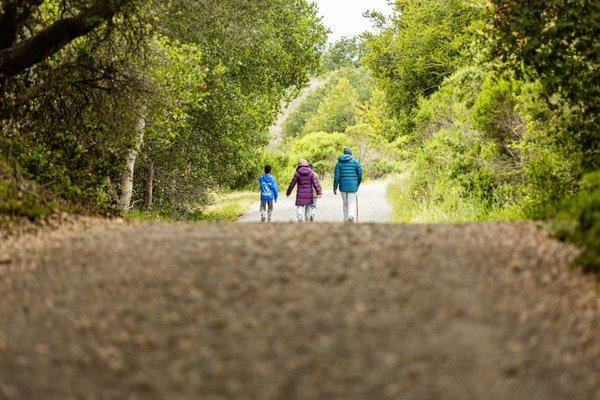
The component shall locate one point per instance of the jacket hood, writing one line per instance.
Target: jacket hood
(267, 177)
(345, 158)
(304, 170)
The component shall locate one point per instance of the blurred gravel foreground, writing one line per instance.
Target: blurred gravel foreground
(286, 311)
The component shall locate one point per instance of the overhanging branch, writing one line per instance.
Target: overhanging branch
(44, 44)
(12, 19)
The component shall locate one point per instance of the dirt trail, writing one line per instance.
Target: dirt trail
(287, 311)
(372, 199)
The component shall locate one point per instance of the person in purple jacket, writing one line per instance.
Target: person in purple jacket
(306, 180)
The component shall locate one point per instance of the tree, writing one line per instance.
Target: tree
(343, 53)
(18, 55)
(177, 76)
(71, 82)
(206, 77)
(423, 45)
(294, 123)
(361, 83)
(556, 43)
(337, 111)
(254, 55)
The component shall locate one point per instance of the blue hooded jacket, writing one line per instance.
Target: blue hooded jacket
(268, 188)
(348, 174)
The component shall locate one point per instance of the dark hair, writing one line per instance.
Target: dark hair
(268, 169)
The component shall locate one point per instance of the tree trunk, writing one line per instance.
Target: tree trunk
(127, 180)
(149, 186)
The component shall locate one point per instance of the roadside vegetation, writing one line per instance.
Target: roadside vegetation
(483, 110)
(490, 126)
(146, 106)
(452, 98)
(343, 112)
(222, 207)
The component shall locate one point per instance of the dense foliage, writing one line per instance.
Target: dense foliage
(486, 109)
(341, 113)
(421, 47)
(494, 106)
(579, 222)
(555, 43)
(335, 103)
(343, 53)
(174, 98)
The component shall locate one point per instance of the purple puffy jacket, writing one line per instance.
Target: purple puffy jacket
(306, 180)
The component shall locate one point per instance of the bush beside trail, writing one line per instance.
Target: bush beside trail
(489, 127)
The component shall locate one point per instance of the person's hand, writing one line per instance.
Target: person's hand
(319, 196)
(335, 192)
(275, 200)
(287, 195)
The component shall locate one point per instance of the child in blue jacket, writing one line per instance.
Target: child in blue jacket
(268, 194)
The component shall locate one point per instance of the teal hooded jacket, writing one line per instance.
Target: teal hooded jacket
(347, 175)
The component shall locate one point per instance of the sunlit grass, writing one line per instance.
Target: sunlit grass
(141, 215)
(229, 207)
(226, 207)
(451, 208)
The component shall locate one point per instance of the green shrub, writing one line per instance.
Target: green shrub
(458, 172)
(332, 107)
(551, 163)
(21, 198)
(451, 174)
(280, 167)
(495, 111)
(294, 123)
(337, 110)
(579, 222)
(321, 149)
(384, 167)
(377, 156)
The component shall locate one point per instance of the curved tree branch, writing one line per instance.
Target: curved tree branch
(44, 44)
(13, 17)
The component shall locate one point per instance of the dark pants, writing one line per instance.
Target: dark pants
(263, 210)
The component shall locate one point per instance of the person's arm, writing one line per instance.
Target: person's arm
(317, 185)
(359, 172)
(336, 177)
(292, 184)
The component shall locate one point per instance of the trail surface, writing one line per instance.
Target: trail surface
(288, 311)
(372, 204)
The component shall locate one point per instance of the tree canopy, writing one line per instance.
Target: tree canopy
(206, 77)
(420, 46)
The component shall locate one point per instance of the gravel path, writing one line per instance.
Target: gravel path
(372, 200)
(241, 311)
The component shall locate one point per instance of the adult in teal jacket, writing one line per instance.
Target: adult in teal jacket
(347, 177)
